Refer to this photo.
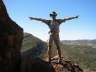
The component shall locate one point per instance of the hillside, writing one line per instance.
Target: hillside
(85, 56)
(32, 46)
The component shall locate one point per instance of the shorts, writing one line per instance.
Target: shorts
(54, 38)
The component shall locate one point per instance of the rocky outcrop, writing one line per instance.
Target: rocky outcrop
(11, 36)
(65, 65)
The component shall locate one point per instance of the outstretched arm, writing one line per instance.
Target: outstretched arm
(70, 18)
(39, 19)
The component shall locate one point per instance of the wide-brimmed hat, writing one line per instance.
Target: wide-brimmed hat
(53, 14)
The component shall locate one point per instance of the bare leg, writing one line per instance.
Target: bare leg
(49, 52)
(49, 47)
(57, 42)
(59, 51)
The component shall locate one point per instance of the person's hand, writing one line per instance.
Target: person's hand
(30, 17)
(77, 16)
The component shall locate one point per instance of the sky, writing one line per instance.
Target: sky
(81, 28)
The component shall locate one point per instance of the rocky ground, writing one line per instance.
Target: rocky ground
(64, 65)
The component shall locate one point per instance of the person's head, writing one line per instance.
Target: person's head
(53, 15)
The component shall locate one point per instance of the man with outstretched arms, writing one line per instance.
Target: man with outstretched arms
(54, 31)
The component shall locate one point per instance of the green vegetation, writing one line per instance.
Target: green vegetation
(32, 46)
(85, 56)
(31, 41)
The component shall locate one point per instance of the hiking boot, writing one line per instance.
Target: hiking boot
(60, 61)
(50, 60)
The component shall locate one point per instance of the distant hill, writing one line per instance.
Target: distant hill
(32, 46)
(81, 42)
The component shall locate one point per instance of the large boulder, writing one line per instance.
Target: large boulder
(11, 36)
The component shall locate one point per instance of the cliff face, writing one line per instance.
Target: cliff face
(11, 36)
